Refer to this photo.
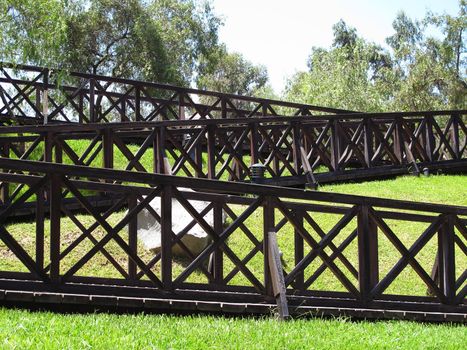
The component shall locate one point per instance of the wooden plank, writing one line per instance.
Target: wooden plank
(277, 277)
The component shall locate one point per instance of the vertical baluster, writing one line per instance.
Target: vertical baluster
(132, 236)
(455, 135)
(368, 142)
(211, 144)
(45, 96)
(107, 148)
(297, 154)
(40, 219)
(254, 143)
(218, 262)
(5, 186)
(398, 143)
(137, 104)
(166, 236)
(92, 111)
(49, 145)
(368, 270)
(55, 196)
(448, 259)
(181, 107)
(268, 226)
(223, 108)
(299, 249)
(335, 154)
(430, 140)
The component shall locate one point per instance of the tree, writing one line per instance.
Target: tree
(419, 71)
(32, 31)
(154, 40)
(231, 73)
(189, 30)
(116, 38)
(353, 74)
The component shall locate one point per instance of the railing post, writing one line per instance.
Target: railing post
(5, 186)
(268, 226)
(254, 143)
(429, 138)
(80, 107)
(137, 104)
(55, 197)
(297, 154)
(45, 97)
(211, 145)
(92, 111)
(218, 262)
(123, 116)
(132, 236)
(368, 270)
(299, 249)
(455, 135)
(161, 164)
(107, 148)
(48, 147)
(181, 108)
(40, 219)
(398, 141)
(166, 237)
(223, 108)
(447, 259)
(368, 142)
(334, 146)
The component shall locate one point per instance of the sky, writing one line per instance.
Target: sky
(280, 34)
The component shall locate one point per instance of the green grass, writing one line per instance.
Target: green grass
(44, 330)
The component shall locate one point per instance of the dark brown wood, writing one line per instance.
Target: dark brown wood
(55, 197)
(132, 237)
(299, 250)
(277, 277)
(218, 260)
(268, 226)
(166, 236)
(368, 270)
(448, 259)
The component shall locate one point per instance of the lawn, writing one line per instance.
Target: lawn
(24, 329)
(44, 330)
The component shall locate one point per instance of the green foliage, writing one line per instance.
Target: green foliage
(152, 40)
(352, 77)
(32, 31)
(418, 72)
(231, 73)
(119, 38)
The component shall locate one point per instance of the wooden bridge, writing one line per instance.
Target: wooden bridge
(177, 146)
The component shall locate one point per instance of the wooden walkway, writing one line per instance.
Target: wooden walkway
(221, 277)
(110, 146)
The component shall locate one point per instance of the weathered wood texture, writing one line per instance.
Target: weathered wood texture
(293, 149)
(31, 94)
(361, 221)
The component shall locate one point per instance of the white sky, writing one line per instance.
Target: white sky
(280, 34)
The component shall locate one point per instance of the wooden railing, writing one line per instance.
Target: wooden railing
(296, 149)
(338, 250)
(31, 94)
